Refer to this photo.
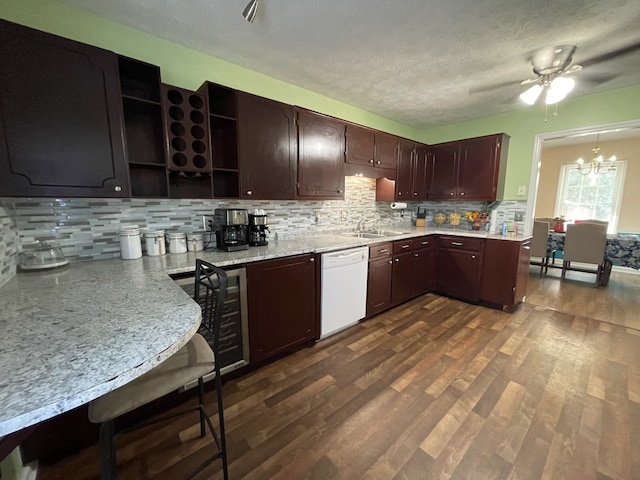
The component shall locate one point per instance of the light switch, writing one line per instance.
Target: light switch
(522, 190)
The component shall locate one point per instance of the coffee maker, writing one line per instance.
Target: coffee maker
(230, 225)
(257, 229)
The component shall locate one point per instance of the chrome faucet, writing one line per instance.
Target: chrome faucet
(361, 224)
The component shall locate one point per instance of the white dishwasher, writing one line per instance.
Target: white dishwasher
(344, 289)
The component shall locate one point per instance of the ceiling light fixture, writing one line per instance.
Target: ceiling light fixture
(598, 164)
(557, 90)
(249, 12)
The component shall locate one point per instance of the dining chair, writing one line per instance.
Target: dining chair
(192, 362)
(539, 245)
(551, 221)
(585, 243)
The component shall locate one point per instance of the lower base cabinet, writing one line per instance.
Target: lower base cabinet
(505, 272)
(402, 276)
(459, 267)
(423, 270)
(379, 278)
(283, 311)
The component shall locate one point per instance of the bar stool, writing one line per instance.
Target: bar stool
(192, 362)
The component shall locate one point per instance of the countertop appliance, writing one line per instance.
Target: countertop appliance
(257, 230)
(230, 225)
(344, 289)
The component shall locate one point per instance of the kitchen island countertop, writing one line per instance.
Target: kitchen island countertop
(72, 334)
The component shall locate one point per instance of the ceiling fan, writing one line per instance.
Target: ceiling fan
(552, 67)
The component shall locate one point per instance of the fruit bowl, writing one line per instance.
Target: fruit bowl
(454, 218)
(439, 218)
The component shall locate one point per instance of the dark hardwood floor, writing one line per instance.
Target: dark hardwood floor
(434, 389)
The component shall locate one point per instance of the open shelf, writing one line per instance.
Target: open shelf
(226, 184)
(190, 185)
(139, 79)
(148, 181)
(143, 129)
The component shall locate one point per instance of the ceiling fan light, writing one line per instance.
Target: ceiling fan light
(580, 161)
(559, 89)
(530, 95)
(613, 158)
(249, 12)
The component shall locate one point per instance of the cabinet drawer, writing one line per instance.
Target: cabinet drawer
(463, 243)
(422, 242)
(380, 250)
(401, 246)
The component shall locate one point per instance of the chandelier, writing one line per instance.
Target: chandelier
(598, 164)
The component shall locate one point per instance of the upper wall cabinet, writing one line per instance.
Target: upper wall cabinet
(470, 169)
(321, 144)
(371, 148)
(267, 152)
(411, 176)
(60, 117)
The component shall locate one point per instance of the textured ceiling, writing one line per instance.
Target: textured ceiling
(419, 62)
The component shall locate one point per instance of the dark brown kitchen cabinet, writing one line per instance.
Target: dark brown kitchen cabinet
(482, 168)
(143, 127)
(423, 272)
(321, 144)
(368, 147)
(459, 267)
(223, 135)
(60, 117)
(469, 169)
(443, 171)
(283, 311)
(267, 151)
(411, 176)
(401, 278)
(505, 272)
(379, 278)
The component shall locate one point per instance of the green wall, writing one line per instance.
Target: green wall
(188, 68)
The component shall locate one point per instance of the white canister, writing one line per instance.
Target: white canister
(154, 241)
(195, 242)
(177, 242)
(130, 245)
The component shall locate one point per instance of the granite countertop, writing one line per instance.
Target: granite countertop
(74, 333)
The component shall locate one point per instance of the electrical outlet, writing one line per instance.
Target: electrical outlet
(522, 190)
(207, 223)
(518, 216)
(343, 215)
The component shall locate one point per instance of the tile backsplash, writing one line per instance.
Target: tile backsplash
(87, 228)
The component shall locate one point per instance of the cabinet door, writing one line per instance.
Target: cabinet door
(419, 178)
(379, 285)
(360, 145)
(505, 273)
(458, 273)
(282, 304)
(401, 281)
(404, 175)
(386, 155)
(443, 171)
(60, 117)
(320, 157)
(423, 271)
(266, 148)
(478, 169)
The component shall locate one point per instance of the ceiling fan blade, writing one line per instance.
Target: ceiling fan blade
(529, 80)
(598, 79)
(633, 48)
(495, 86)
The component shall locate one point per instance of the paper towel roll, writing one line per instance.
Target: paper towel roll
(493, 222)
(398, 206)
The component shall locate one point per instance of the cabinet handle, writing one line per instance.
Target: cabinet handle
(371, 161)
(339, 191)
(378, 162)
(405, 246)
(462, 194)
(451, 194)
(458, 244)
(390, 262)
(399, 194)
(527, 248)
(383, 250)
(249, 192)
(396, 259)
(312, 259)
(473, 256)
(416, 254)
(425, 243)
(117, 188)
(415, 193)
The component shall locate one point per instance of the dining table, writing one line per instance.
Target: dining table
(622, 249)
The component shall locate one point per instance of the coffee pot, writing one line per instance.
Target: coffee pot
(257, 229)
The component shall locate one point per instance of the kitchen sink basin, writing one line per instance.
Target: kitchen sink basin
(374, 233)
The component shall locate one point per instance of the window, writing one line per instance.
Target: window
(595, 195)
